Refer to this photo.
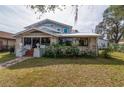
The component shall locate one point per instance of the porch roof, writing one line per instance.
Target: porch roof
(53, 33)
(45, 30)
(79, 35)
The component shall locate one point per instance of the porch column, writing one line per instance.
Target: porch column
(76, 41)
(32, 42)
(53, 40)
(88, 42)
(40, 40)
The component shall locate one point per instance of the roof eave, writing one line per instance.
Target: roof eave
(34, 29)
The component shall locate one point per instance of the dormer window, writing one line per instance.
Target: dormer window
(65, 30)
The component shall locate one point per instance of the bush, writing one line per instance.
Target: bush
(71, 51)
(106, 52)
(12, 50)
(57, 51)
(87, 54)
(117, 47)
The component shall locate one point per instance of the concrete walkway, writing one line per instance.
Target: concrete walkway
(12, 62)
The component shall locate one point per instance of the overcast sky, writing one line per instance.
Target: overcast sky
(14, 18)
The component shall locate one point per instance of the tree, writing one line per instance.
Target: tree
(112, 25)
(41, 9)
(51, 8)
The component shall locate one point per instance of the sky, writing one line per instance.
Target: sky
(14, 18)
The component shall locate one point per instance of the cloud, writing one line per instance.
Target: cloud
(14, 18)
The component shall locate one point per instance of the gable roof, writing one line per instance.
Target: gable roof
(6, 35)
(44, 30)
(47, 20)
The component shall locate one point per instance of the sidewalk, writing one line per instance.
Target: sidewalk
(12, 62)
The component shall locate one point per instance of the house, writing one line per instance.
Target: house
(102, 43)
(121, 42)
(6, 40)
(48, 32)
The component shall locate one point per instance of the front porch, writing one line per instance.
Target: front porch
(33, 43)
(36, 45)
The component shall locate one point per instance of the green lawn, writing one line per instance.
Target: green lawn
(5, 56)
(66, 72)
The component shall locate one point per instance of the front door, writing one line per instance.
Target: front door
(36, 40)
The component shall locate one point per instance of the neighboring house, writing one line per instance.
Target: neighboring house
(47, 32)
(102, 43)
(6, 40)
(121, 42)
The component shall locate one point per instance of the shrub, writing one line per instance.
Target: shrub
(87, 53)
(57, 51)
(106, 52)
(71, 51)
(117, 47)
(49, 52)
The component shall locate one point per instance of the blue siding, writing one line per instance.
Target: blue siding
(61, 28)
(65, 30)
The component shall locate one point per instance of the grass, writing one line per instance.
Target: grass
(5, 56)
(66, 72)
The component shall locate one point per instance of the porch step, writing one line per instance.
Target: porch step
(29, 53)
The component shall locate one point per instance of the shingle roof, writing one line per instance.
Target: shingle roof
(33, 25)
(6, 35)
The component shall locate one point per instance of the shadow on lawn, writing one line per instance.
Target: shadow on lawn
(42, 62)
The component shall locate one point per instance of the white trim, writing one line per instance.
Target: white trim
(36, 29)
(37, 36)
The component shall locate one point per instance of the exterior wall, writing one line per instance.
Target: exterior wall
(53, 40)
(92, 45)
(19, 39)
(6, 43)
(92, 41)
(11, 42)
(55, 26)
(18, 42)
(121, 42)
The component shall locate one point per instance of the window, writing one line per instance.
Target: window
(27, 41)
(45, 41)
(83, 42)
(65, 41)
(58, 29)
(65, 30)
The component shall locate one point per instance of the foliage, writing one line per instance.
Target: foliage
(117, 47)
(106, 52)
(55, 51)
(41, 9)
(112, 24)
